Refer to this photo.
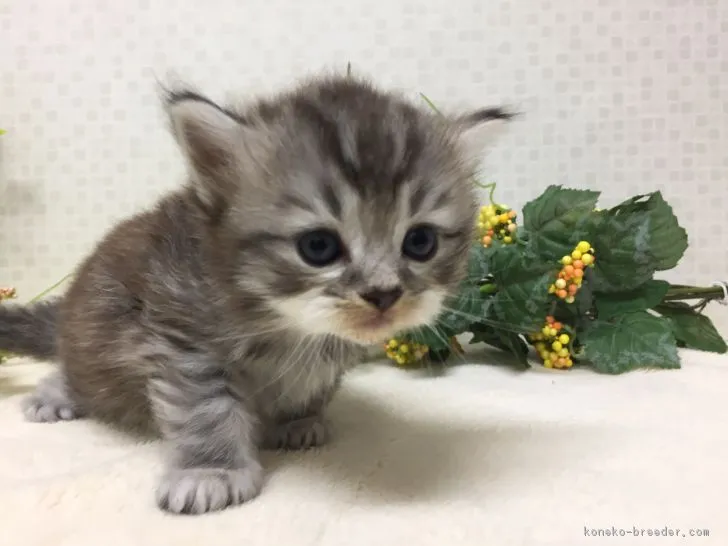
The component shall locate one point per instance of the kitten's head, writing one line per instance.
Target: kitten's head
(347, 210)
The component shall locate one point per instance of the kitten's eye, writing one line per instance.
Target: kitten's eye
(320, 247)
(420, 243)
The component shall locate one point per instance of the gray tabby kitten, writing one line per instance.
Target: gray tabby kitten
(314, 223)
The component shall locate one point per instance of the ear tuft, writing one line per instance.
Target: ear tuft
(477, 132)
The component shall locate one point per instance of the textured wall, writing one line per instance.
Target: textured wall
(620, 96)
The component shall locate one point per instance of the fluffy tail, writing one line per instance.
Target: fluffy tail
(30, 330)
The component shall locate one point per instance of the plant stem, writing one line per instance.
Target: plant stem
(693, 293)
(50, 289)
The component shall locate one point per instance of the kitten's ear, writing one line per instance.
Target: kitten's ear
(210, 139)
(477, 129)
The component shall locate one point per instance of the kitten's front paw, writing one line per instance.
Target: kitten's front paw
(39, 408)
(200, 490)
(299, 434)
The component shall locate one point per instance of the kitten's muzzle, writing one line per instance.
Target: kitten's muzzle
(382, 299)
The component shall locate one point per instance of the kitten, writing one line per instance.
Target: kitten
(314, 223)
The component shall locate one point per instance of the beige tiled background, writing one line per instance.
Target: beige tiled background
(622, 96)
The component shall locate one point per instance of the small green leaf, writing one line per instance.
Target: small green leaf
(692, 329)
(631, 341)
(504, 340)
(640, 299)
(558, 219)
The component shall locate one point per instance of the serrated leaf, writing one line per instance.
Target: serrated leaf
(692, 329)
(477, 264)
(631, 341)
(504, 340)
(622, 245)
(466, 307)
(558, 219)
(668, 240)
(434, 337)
(640, 299)
(522, 300)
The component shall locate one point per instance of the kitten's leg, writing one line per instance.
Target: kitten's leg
(301, 430)
(51, 401)
(301, 433)
(202, 414)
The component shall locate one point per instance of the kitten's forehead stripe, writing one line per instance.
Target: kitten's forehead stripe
(331, 200)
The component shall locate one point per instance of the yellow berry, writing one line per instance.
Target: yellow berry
(553, 332)
(587, 259)
(540, 347)
(503, 218)
(583, 246)
(548, 364)
(546, 330)
(512, 227)
(507, 240)
(560, 283)
(566, 260)
(400, 359)
(552, 289)
(569, 299)
(544, 355)
(576, 254)
(564, 353)
(553, 357)
(556, 346)
(564, 339)
(393, 343)
(404, 349)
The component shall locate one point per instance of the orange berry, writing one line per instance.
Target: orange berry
(512, 214)
(579, 273)
(490, 232)
(561, 293)
(549, 319)
(557, 326)
(569, 269)
(561, 362)
(578, 264)
(573, 289)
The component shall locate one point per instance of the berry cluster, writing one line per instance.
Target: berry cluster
(7, 293)
(496, 222)
(571, 276)
(552, 344)
(405, 352)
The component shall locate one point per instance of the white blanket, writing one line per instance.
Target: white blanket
(483, 455)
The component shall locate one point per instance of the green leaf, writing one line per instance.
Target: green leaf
(434, 337)
(504, 340)
(460, 311)
(634, 240)
(622, 245)
(558, 219)
(522, 300)
(634, 340)
(477, 264)
(692, 329)
(640, 299)
(668, 240)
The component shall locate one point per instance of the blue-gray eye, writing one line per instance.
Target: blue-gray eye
(320, 247)
(420, 243)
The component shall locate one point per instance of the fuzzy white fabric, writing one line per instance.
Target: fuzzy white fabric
(482, 455)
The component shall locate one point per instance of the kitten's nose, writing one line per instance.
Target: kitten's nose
(382, 299)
